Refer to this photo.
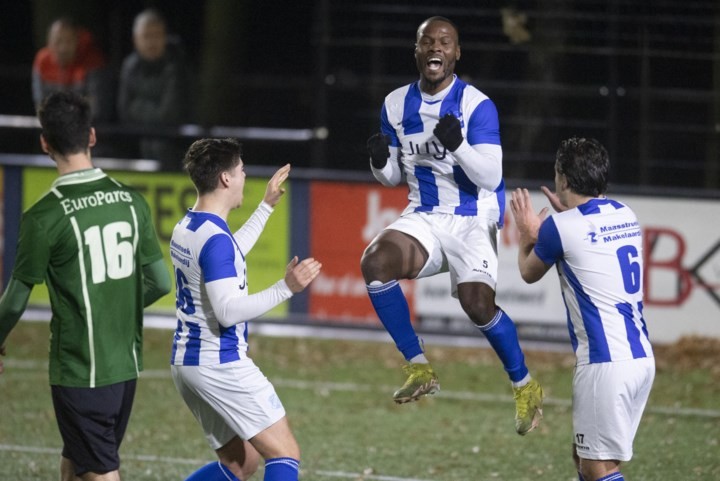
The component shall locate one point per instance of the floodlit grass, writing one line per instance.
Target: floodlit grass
(338, 398)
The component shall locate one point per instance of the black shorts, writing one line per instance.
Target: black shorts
(92, 424)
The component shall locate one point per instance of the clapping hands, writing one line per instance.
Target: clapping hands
(274, 190)
(299, 274)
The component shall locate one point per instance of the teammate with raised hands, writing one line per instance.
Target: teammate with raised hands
(596, 245)
(235, 404)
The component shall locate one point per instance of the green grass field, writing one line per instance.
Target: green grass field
(338, 398)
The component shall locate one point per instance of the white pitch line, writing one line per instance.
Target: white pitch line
(270, 328)
(354, 387)
(478, 396)
(378, 477)
(201, 462)
(137, 457)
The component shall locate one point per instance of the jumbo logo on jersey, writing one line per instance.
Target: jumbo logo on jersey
(433, 148)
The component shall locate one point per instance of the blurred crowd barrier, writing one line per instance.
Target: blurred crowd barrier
(332, 215)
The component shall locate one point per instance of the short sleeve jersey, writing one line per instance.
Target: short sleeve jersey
(597, 249)
(88, 238)
(203, 250)
(437, 183)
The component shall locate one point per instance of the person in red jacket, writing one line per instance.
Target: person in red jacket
(69, 62)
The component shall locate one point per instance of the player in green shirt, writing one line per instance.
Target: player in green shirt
(91, 239)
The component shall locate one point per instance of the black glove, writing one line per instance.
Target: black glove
(378, 148)
(448, 132)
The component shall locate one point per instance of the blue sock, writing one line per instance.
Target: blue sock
(392, 309)
(281, 469)
(616, 476)
(503, 338)
(213, 472)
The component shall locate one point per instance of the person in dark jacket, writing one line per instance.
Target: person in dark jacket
(153, 88)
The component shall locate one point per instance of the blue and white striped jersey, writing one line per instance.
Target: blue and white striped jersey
(598, 252)
(437, 182)
(204, 250)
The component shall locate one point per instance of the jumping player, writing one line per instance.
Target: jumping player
(442, 137)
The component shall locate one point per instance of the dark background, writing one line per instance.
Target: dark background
(642, 77)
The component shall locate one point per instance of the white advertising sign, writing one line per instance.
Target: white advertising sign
(681, 239)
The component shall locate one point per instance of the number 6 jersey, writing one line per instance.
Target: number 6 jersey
(88, 238)
(597, 249)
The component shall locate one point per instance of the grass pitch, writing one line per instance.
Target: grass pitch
(338, 398)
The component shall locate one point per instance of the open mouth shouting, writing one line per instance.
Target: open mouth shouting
(435, 68)
(434, 64)
(436, 52)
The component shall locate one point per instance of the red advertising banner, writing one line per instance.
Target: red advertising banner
(345, 217)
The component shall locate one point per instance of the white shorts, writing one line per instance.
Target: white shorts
(229, 399)
(464, 245)
(608, 402)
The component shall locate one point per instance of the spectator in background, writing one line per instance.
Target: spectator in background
(71, 61)
(152, 89)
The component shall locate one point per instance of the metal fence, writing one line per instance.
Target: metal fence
(642, 77)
